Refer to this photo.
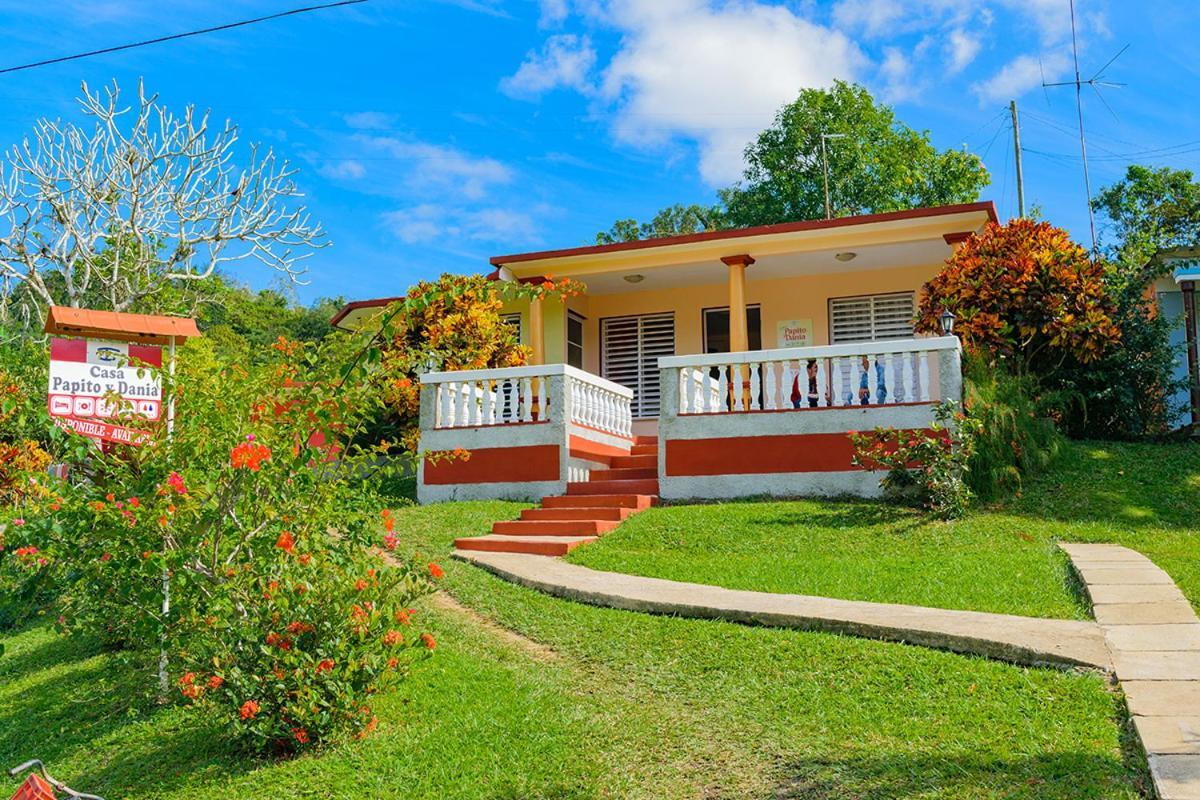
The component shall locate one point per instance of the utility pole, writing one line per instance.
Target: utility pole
(1016, 126)
(825, 168)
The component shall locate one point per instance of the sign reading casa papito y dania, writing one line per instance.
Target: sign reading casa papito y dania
(86, 373)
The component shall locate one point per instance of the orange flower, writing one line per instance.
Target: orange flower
(215, 682)
(305, 558)
(249, 455)
(295, 628)
(325, 665)
(436, 571)
(360, 584)
(301, 735)
(250, 710)
(392, 638)
(286, 542)
(402, 617)
(428, 640)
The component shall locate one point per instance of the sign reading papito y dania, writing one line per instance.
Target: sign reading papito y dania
(87, 374)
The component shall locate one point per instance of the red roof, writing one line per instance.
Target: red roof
(987, 207)
(143, 328)
(357, 304)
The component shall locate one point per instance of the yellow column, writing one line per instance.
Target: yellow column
(739, 342)
(537, 332)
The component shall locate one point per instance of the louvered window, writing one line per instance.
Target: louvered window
(870, 318)
(630, 349)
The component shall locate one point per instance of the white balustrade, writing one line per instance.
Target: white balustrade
(489, 397)
(859, 374)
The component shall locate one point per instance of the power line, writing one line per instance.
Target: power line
(174, 36)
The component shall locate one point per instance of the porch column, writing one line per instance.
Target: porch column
(1189, 316)
(739, 342)
(537, 332)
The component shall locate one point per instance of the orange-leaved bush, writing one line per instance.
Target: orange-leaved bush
(1024, 292)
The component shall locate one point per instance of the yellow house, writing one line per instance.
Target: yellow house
(741, 357)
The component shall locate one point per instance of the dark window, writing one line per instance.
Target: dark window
(574, 340)
(716, 329)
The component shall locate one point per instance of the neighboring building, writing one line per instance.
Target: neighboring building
(813, 317)
(1176, 299)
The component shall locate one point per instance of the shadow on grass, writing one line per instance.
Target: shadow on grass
(75, 700)
(1064, 775)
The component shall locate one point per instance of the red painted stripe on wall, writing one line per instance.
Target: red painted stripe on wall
(595, 451)
(759, 455)
(497, 465)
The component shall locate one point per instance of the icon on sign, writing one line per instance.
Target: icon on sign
(148, 408)
(60, 405)
(85, 406)
(104, 408)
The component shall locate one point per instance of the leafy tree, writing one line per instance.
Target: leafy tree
(673, 220)
(1026, 293)
(876, 164)
(1150, 210)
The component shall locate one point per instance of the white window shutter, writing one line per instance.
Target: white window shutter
(868, 319)
(631, 347)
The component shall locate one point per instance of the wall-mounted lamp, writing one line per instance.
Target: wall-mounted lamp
(847, 256)
(947, 322)
(635, 278)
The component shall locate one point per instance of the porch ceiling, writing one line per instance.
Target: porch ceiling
(768, 267)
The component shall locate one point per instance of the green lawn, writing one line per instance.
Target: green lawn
(597, 703)
(1000, 559)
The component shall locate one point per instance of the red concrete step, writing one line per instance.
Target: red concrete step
(647, 461)
(533, 545)
(615, 513)
(643, 450)
(636, 502)
(623, 474)
(645, 440)
(555, 527)
(645, 486)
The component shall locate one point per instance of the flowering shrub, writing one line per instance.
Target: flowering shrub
(257, 519)
(925, 468)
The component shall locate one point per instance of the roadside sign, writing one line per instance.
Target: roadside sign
(86, 374)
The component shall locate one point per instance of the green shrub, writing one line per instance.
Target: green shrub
(1016, 437)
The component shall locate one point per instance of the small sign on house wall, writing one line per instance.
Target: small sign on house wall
(795, 333)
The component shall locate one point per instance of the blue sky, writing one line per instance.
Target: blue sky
(432, 135)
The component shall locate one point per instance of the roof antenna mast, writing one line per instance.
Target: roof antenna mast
(1079, 83)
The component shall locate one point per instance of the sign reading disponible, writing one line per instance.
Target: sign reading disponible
(85, 374)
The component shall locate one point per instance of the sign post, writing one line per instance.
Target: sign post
(112, 355)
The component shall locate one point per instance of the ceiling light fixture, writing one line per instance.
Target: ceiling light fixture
(847, 256)
(635, 278)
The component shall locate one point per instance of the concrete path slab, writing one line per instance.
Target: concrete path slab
(1022, 640)
(1154, 636)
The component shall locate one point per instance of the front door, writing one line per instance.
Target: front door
(629, 351)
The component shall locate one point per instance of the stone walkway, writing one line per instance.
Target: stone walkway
(1021, 640)
(1154, 638)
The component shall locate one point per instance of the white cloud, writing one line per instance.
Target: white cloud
(715, 75)
(370, 120)
(553, 12)
(896, 73)
(565, 60)
(871, 17)
(431, 166)
(1023, 73)
(348, 169)
(430, 222)
(961, 49)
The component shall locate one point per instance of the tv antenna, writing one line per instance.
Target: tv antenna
(1095, 82)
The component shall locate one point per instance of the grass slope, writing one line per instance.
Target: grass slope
(608, 704)
(1000, 559)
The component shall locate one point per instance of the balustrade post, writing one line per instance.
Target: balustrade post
(950, 383)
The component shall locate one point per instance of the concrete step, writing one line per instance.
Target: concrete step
(647, 461)
(532, 545)
(644, 450)
(645, 440)
(636, 502)
(615, 513)
(624, 474)
(645, 486)
(553, 527)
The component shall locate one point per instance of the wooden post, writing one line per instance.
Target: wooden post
(1189, 314)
